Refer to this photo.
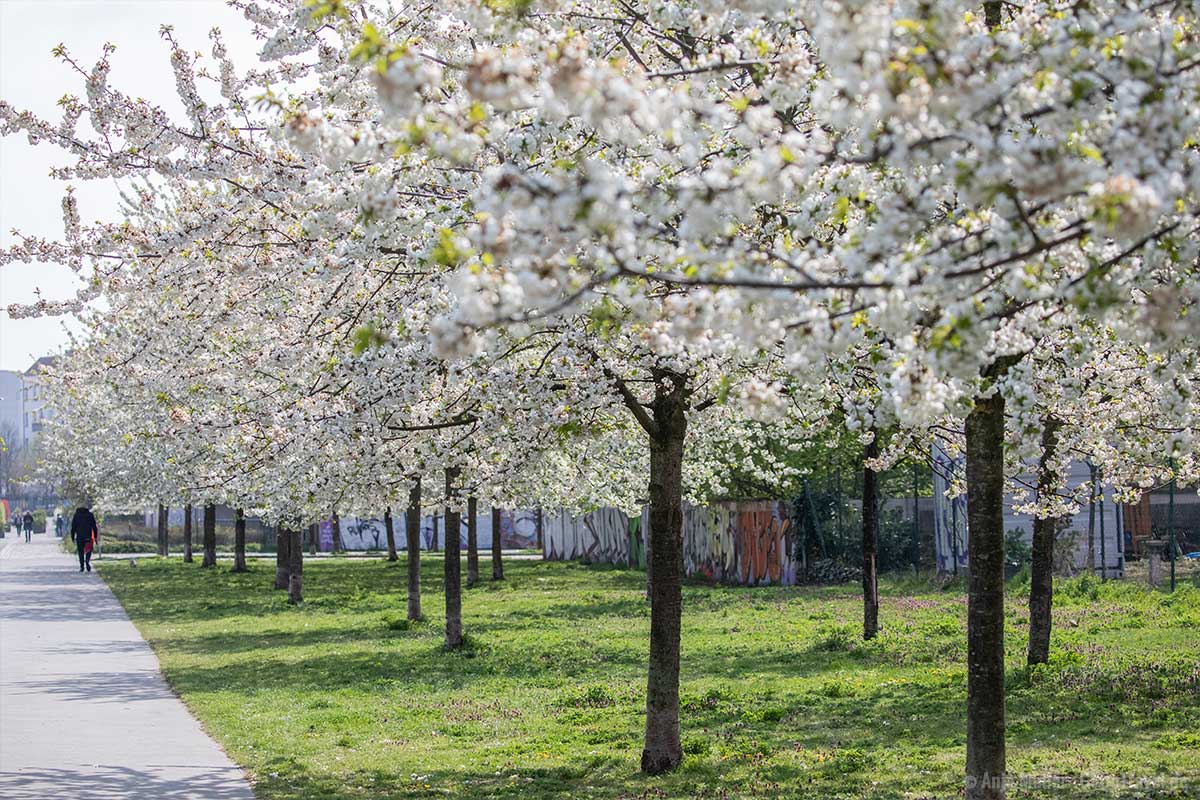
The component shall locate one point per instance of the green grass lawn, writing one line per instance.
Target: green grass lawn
(339, 699)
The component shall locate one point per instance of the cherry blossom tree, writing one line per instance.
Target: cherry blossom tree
(637, 209)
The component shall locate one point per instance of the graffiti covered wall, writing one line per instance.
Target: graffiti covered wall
(748, 544)
(603, 536)
(518, 530)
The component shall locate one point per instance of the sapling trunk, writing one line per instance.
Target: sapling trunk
(282, 558)
(210, 536)
(187, 534)
(163, 516)
(452, 573)
(870, 539)
(1041, 582)
(497, 563)
(295, 567)
(239, 541)
(472, 541)
(412, 536)
(390, 527)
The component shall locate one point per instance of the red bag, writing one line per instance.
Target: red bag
(87, 546)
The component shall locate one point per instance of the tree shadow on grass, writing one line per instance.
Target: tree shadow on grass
(848, 774)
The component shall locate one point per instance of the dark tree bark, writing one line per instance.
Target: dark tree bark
(991, 13)
(239, 542)
(337, 533)
(210, 536)
(433, 544)
(187, 534)
(1041, 583)
(870, 542)
(412, 537)
(452, 574)
(391, 534)
(472, 541)
(282, 557)
(538, 527)
(295, 567)
(497, 563)
(314, 536)
(162, 530)
(985, 600)
(1091, 540)
(662, 750)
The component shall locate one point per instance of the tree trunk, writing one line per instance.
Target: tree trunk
(472, 541)
(985, 600)
(162, 530)
(452, 573)
(538, 528)
(412, 537)
(1041, 583)
(433, 544)
(497, 563)
(663, 751)
(187, 534)
(991, 13)
(282, 558)
(391, 534)
(239, 542)
(870, 540)
(337, 533)
(314, 536)
(295, 567)
(1091, 540)
(210, 536)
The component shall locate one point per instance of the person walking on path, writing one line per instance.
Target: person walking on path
(84, 534)
(74, 670)
(28, 520)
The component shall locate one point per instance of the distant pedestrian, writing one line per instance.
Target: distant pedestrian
(85, 535)
(59, 522)
(28, 520)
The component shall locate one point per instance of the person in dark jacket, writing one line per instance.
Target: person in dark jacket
(84, 534)
(28, 520)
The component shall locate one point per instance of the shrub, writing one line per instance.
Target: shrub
(1016, 552)
(843, 543)
(835, 638)
(766, 714)
(1178, 741)
(397, 622)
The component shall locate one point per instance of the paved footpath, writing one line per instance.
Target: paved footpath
(84, 711)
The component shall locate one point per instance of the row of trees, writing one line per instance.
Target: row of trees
(571, 255)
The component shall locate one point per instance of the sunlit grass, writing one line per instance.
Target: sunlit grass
(341, 699)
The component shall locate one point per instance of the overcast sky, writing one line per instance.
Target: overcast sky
(30, 78)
